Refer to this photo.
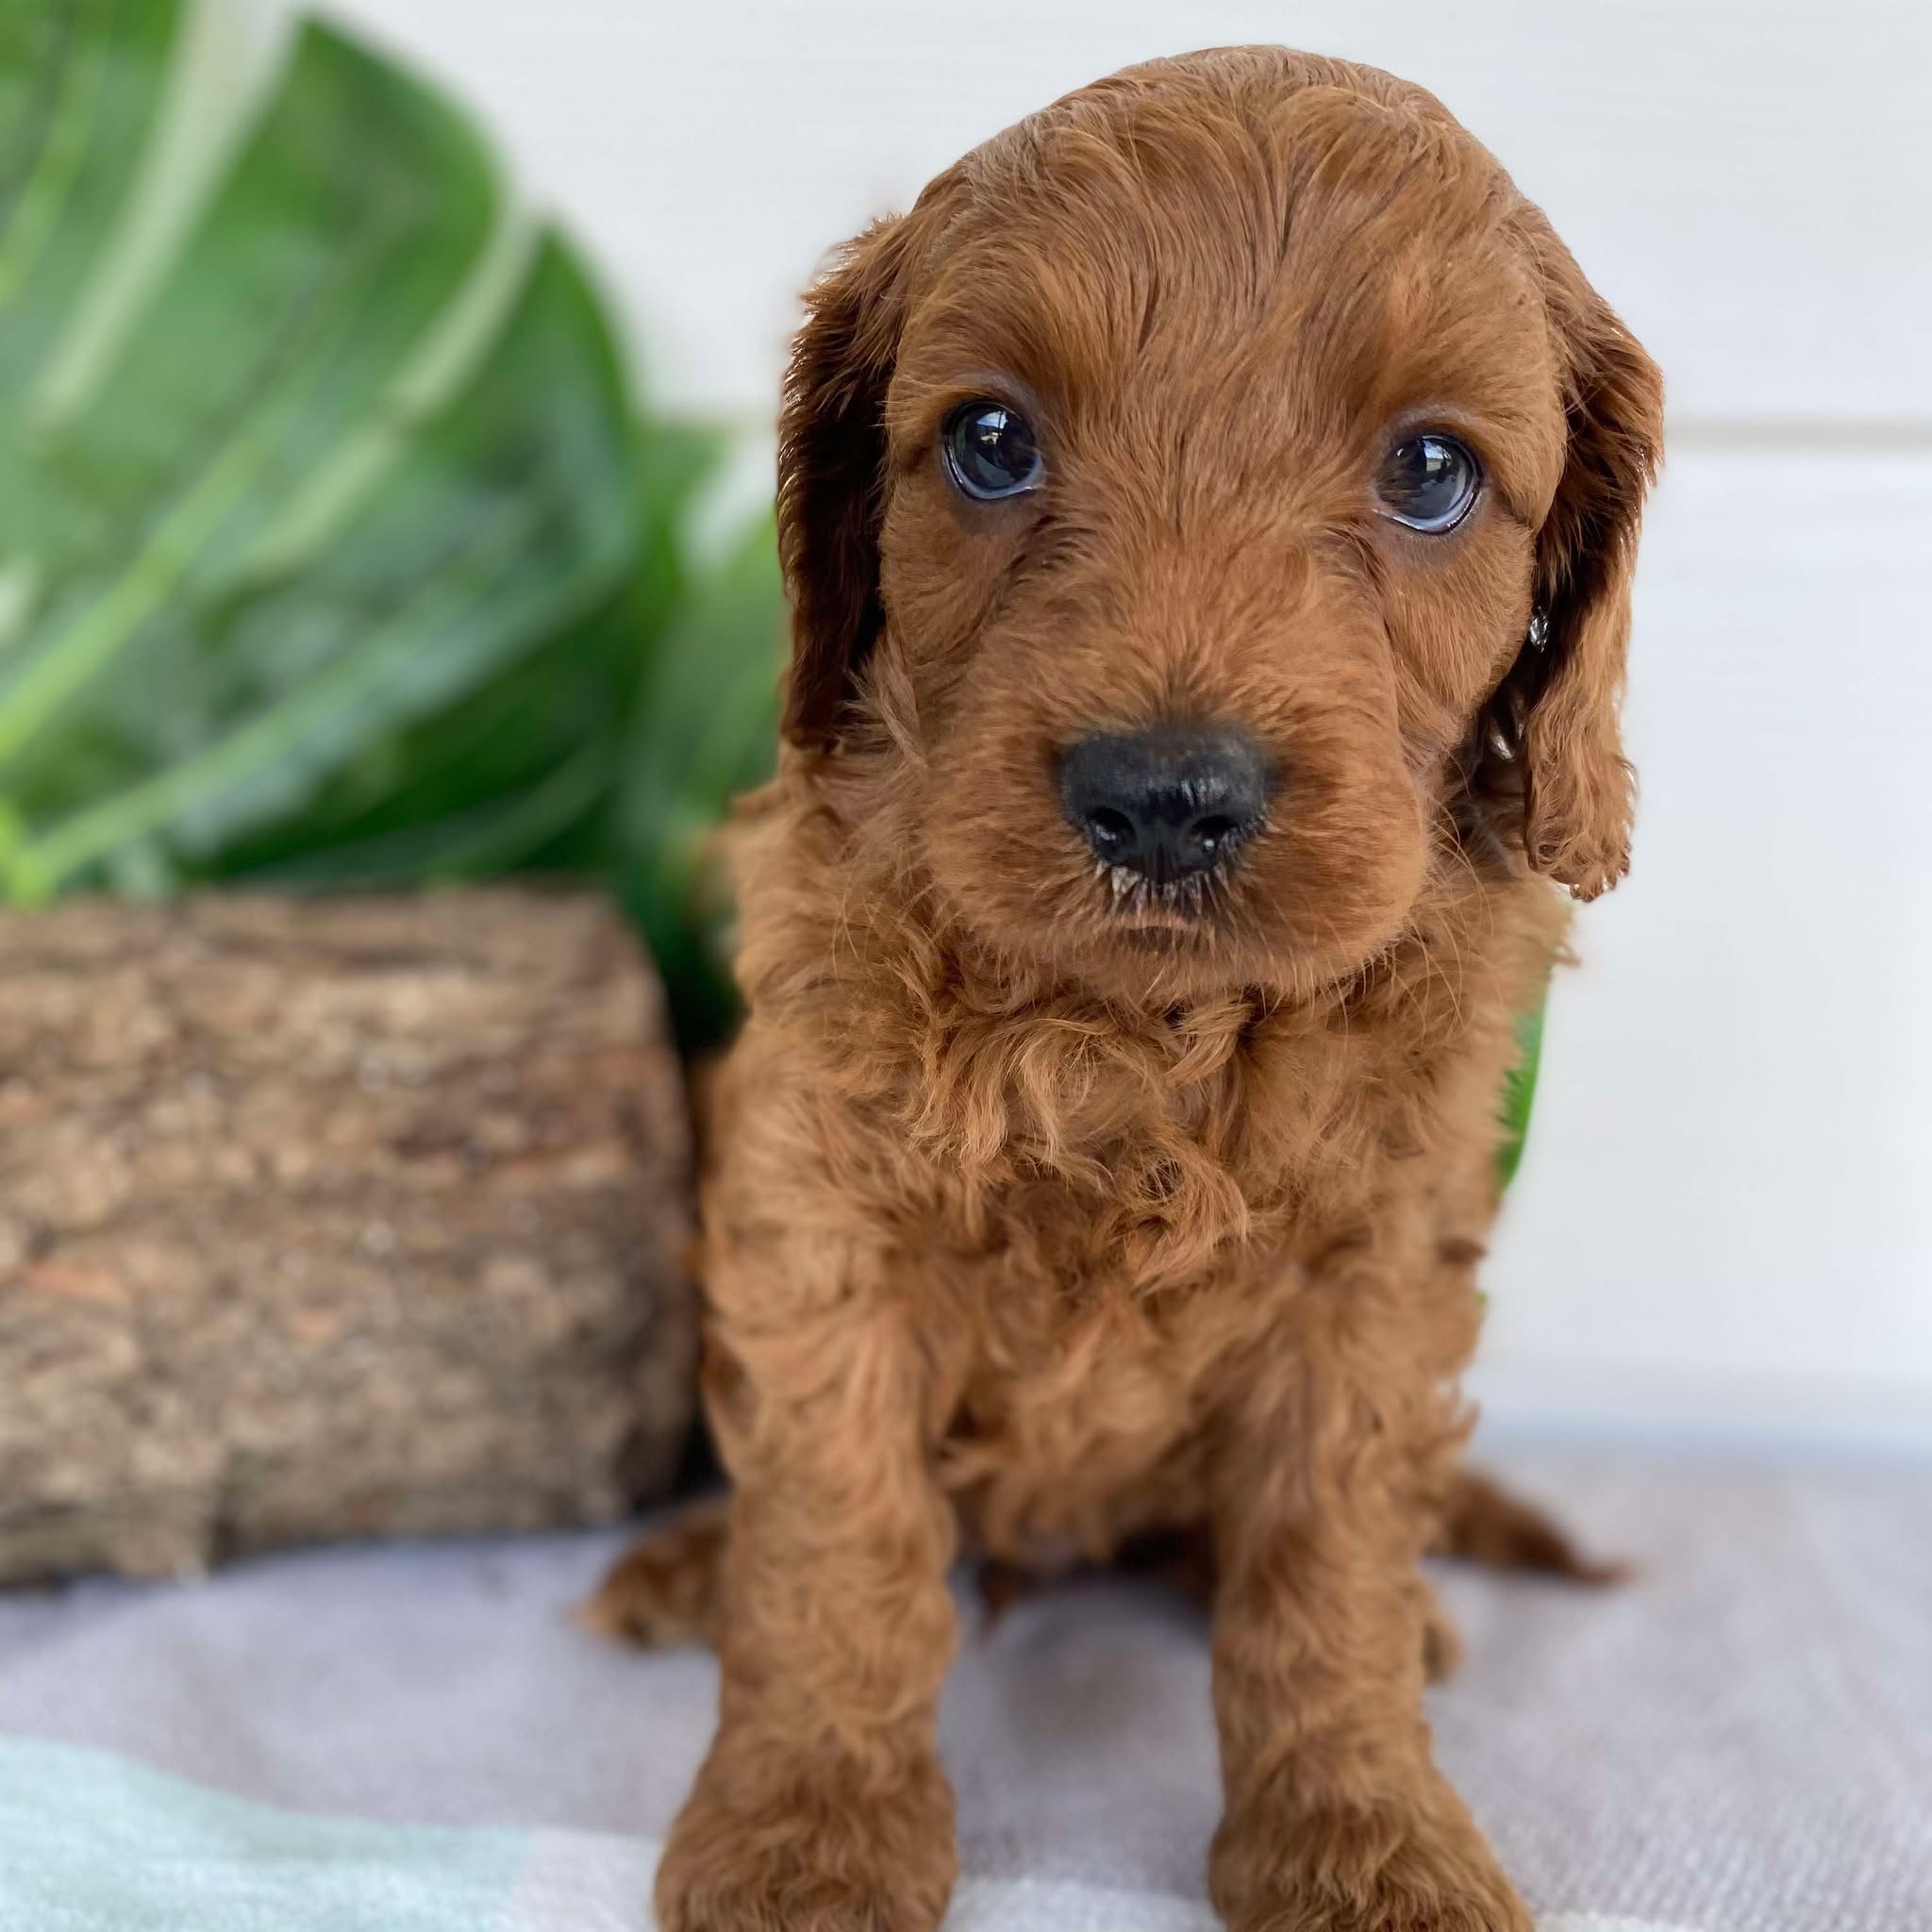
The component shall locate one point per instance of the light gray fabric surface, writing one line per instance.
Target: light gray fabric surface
(1742, 1742)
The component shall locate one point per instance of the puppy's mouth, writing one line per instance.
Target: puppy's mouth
(1163, 940)
(1195, 917)
(1143, 902)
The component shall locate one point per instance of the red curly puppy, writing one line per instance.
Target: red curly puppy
(1208, 517)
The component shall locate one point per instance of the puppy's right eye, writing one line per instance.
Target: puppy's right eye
(990, 451)
(1429, 482)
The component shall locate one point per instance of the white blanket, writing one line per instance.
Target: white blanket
(1742, 1742)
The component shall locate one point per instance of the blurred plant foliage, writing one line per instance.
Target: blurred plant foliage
(1519, 1092)
(333, 549)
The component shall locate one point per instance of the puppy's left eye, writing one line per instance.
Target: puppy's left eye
(990, 451)
(1429, 483)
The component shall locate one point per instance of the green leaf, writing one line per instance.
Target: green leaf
(1519, 1093)
(704, 730)
(520, 774)
(79, 90)
(332, 550)
(365, 451)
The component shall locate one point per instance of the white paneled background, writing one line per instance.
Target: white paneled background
(1723, 1226)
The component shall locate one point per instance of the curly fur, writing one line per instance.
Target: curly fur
(1057, 1222)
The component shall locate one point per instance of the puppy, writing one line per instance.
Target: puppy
(1208, 517)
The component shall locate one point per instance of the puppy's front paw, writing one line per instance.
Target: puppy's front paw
(809, 1853)
(1386, 1870)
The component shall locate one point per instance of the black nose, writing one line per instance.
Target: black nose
(1166, 804)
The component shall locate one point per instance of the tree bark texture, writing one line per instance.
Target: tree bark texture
(333, 1218)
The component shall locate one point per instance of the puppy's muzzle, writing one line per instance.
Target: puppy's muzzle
(1165, 807)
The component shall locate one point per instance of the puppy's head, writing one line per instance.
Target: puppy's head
(1216, 499)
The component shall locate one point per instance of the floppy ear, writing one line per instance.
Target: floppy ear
(1558, 714)
(831, 475)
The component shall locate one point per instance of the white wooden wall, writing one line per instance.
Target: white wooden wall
(1724, 1223)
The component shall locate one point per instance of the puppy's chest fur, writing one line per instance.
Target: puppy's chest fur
(1086, 1216)
(1124, 1212)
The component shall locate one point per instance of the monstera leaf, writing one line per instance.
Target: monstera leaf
(331, 548)
(702, 731)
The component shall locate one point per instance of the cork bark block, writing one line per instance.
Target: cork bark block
(332, 1217)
